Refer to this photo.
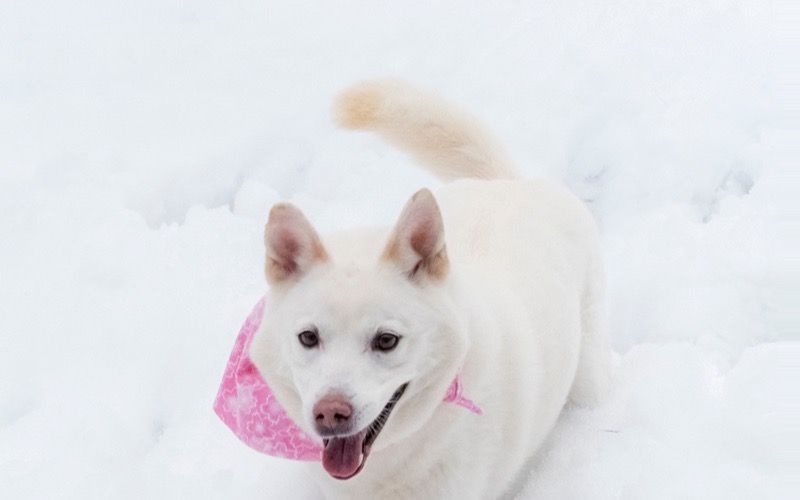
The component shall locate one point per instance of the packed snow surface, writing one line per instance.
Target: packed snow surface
(142, 144)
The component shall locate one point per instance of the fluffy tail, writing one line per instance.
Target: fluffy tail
(444, 139)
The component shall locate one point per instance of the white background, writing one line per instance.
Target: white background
(142, 143)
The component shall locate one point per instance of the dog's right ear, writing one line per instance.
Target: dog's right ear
(417, 246)
(293, 246)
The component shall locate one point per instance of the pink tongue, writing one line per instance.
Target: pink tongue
(342, 456)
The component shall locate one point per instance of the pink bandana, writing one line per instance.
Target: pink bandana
(246, 404)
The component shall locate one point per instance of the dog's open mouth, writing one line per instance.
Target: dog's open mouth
(345, 456)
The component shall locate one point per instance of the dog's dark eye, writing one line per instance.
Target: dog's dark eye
(309, 339)
(385, 342)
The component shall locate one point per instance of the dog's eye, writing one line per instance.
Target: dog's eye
(309, 339)
(385, 342)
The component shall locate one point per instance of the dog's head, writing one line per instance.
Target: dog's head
(359, 330)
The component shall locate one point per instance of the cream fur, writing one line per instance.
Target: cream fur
(441, 137)
(516, 309)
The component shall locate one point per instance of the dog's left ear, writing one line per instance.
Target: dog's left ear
(293, 246)
(416, 244)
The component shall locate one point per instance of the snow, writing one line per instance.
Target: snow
(143, 143)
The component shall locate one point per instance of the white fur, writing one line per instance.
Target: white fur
(517, 314)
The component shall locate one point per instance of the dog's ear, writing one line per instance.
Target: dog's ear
(293, 247)
(416, 244)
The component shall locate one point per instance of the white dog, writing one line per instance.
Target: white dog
(497, 278)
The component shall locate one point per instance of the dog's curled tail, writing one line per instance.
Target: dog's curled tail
(444, 139)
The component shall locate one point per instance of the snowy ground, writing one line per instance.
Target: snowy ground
(141, 144)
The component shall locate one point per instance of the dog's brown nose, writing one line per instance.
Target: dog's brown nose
(332, 415)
